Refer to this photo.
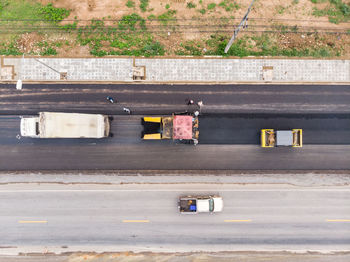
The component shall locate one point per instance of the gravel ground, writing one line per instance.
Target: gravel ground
(298, 179)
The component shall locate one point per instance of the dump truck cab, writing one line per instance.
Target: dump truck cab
(176, 127)
(272, 138)
(30, 127)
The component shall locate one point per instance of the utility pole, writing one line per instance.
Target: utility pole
(242, 23)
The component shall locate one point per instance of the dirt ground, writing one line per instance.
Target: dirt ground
(263, 15)
(178, 257)
(115, 9)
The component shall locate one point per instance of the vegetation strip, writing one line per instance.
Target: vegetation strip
(33, 29)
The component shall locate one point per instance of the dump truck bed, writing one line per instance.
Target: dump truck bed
(72, 125)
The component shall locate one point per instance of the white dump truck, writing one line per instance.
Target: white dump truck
(200, 204)
(65, 125)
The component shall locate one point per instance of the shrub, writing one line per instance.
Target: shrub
(151, 17)
(143, 5)
(191, 5)
(52, 13)
(97, 52)
(202, 11)
(130, 4)
(10, 49)
(344, 8)
(130, 22)
(211, 6)
(153, 49)
(318, 1)
(48, 51)
(167, 6)
(69, 27)
(164, 18)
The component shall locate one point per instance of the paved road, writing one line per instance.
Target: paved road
(326, 146)
(322, 111)
(172, 157)
(241, 129)
(274, 218)
(165, 99)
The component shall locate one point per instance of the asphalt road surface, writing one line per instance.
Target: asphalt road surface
(166, 99)
(145, 217)
(235, 146)
(318, 129)
(232, 118)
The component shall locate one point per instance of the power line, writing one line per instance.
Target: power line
(170, 19)
(211, 31)
(165, 28)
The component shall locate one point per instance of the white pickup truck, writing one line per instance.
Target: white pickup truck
(200, 204)
(65, 125)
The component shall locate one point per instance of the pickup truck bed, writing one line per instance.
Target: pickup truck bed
(188, 205)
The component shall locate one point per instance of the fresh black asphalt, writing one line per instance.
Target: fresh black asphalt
(230, 123)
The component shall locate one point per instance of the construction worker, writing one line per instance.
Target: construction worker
(127, 110)
(110, 99)
(190, 102)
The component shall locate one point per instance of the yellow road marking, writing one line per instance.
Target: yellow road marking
(32, 221)
(135, 221)
(238, 220)
(338, 220)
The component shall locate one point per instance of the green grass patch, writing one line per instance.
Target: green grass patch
(104, 40)
(53, 14)
(337, 11)
(3, 4)
(229, 5)
(19, 10)
(280, 9)
(167, 6)
(189, 48)
(166, 17)
(264, 46)
(9, 49)
(28, 16)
